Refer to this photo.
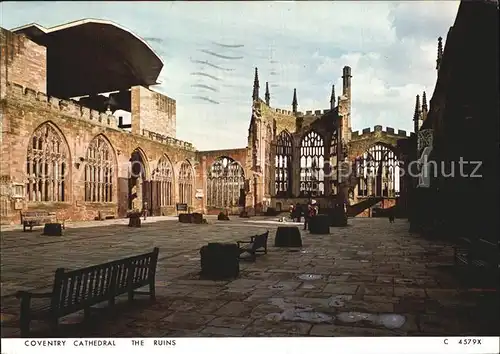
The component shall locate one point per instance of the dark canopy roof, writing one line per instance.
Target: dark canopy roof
(93, 56)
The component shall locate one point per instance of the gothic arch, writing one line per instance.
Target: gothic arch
(185, 182)
(164, 175)
(48, 165)
(283, 164)
(99, 170)
(378, 170)
(138, 152)
(312, 151)
(225, 180)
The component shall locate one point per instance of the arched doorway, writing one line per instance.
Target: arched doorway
(135, 190)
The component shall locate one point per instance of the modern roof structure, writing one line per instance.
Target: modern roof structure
(92, 56)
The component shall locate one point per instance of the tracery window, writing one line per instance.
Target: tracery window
(269, 156)
(283, 164)
(378, 172)
(334, 161)
(225, 180)
(164, 175)
(99, 169)
(312, 162)
(185, 183)
(47, 165)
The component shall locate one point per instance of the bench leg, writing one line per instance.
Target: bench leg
(54, 325)
(131, 295)
(25, 327)
(152, 290)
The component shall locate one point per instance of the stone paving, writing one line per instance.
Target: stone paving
(347, 283)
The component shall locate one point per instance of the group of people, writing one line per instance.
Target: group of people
(298, 211)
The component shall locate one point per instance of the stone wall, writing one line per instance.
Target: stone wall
(25, 110)
(152, 111)
(359, 143)
(22, 61)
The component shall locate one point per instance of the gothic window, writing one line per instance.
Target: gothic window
(283, 164)
(334, 161)
(378, 172)
(225, 180)
(269, 153)
(186, 183)
(47, 166)
(164, 175)
(99, 169)
(312, 162)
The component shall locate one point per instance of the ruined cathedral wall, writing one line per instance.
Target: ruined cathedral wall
(22, 61)
(25, 109)
(206, 160)
(360, 142)
(279, 118)
(152, 111)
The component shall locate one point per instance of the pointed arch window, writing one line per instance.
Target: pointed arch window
(165, 176)
(283, 163)
(378, 171)
(47, 165)
(99, 171)
(185, 183)
(225, 181)
(312, 150)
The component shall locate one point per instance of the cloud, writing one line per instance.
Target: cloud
(391, 48)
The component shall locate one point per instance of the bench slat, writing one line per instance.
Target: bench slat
(82, 288)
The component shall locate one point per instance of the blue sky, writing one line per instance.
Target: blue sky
(390, 46)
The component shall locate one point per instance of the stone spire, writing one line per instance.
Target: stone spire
(294, 102)
(332, 98)
(417, 114)
(256, 86)
(268, 95)
(440, 53)
(425, 109)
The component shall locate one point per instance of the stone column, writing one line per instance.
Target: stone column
(296, 166)
(327, 179)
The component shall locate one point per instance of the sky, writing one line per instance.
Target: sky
(210, 50)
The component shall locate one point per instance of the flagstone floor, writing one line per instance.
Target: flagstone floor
(348, 283)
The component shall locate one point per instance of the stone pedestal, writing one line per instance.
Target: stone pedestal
(134, 220)
(288, 236)
(220, 261)
(52, 229)
(319, 224)
(197, 218)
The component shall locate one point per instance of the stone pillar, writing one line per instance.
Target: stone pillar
(204, 183)
(329, 169)
(296, 166)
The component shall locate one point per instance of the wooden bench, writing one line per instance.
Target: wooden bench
(257, 244)
(81, 289)
(37, 218)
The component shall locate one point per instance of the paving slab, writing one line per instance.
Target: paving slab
(371, 268)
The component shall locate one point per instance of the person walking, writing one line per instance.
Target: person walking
(298, 212)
